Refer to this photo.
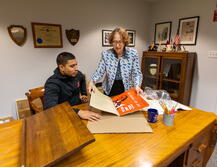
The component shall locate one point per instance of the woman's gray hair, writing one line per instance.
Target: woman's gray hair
(123, 33)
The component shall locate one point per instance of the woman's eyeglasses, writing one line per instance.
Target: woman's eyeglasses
(117, 42)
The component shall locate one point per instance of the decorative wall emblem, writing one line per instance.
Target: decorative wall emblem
(73, 36)
(17, 34)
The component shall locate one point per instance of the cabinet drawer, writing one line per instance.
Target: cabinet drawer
(198, 149)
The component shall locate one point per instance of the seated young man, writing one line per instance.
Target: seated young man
(67, 84)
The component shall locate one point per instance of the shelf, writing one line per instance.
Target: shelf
(152, 86)
(150, 76)
(174, 95)
(171, 80)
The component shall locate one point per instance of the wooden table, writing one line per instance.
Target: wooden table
(188, 143)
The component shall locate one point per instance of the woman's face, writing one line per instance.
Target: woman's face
(118, 44)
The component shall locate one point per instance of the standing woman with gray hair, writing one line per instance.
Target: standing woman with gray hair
(120, 65)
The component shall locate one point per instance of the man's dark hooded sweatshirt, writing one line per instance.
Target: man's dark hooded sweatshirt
(60, 88)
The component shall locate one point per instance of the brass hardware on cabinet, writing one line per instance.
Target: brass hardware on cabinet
(196, 163)
(201, 148)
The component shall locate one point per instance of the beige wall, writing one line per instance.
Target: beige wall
(27, 67)
(204, 91)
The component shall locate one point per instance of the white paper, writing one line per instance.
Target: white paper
(155, 104)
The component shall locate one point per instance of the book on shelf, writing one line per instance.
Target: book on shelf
(120, 105)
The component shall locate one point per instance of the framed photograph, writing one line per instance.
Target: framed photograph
(132, 36)
(47, 35)
(105, 37)
(188, 28)
(162, 33)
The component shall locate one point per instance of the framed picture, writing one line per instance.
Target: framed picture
(105, 37)
(47, 35)
(132, 36)
(162, 33)
(188, 28)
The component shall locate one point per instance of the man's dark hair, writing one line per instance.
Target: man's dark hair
(63, 57)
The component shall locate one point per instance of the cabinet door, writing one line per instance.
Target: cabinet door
(170, 78)
(151, 72)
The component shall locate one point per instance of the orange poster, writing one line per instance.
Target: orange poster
(122, 104)
(128, 102)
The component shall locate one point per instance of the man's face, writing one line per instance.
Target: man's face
(70, 68)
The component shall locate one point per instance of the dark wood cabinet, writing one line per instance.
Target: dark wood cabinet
(170, 71)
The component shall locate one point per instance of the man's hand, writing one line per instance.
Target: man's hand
(83, 98)
(139, 90)
(90, 87)
(89, 115)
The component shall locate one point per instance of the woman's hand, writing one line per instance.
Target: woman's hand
(91, 86)
(139, 90)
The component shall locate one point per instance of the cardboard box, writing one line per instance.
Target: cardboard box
(23, 109)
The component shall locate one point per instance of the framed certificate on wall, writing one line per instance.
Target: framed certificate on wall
(47, 35)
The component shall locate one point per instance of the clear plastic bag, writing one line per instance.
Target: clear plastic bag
(156, 94)
(163, 97)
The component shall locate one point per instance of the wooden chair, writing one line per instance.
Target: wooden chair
(36, 99)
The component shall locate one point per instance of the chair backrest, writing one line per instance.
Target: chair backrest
(33, 95)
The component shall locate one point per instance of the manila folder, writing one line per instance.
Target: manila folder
(102, 102)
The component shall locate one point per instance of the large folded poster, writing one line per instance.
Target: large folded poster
(122, 104)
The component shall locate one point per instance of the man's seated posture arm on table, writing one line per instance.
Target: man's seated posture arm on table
(67, 84)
